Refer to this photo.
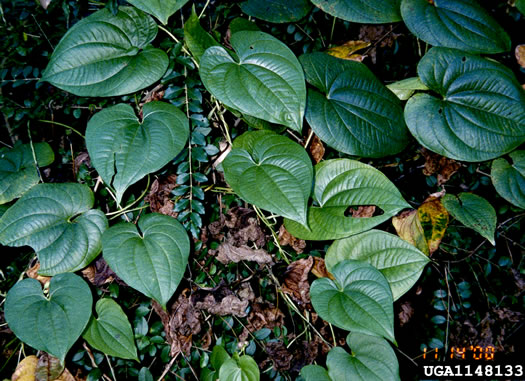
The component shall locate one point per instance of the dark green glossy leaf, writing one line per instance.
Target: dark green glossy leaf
(269, 81)
(509, 178)
(105, 55)
(480, 114)
(474, 212)
(18, 171)
(123, 149)
(111, 331)
(196, 38)
(49, 323)
(372, 359)
(339, 184)
(362, 11)
(152, 259)
(277, 11)
(358, 300)
(459, 24)
(315, 373)
(351, 110)
(57, 221)
(161, 9)
(271, 172)
(400, 262)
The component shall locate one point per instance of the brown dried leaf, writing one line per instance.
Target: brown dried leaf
(363, 211)
(286, 238)
(348, 49)
(159, 196)
(379, 35)
(33, 273)
(89, 273)
(317, 149)
(180, 324)
(319, 269)
(405, 314)
(263, 315)
(25, 370)
(104, 274)
(48, 368)
(440, 165)
(81, 158)
(66, 376)
(279, 355)
(520, 55)
(296, 280)
(224, 302)
(228, 253)
(156, 94)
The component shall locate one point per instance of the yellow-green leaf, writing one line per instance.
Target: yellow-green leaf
(25, 371)
(434, 220)
(409, 228)
(348, 49)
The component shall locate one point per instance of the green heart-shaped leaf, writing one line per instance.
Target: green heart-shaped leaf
(153, 259)
(372, 359)
(243, 368)
(111, 332)
(105, 55)
(358, 300)
(481, 115)
(161, 9)
(474, 212)
(400, 262)
(53, 323)
(277, 11)
(57, 221)
(315, 373)
(269, 79)
(339, 184)
(123, 150)
(352, 111)
(18, 171)
(271, 172)
(459, 24)
(362, 11)
(196, 38)
(509, 179)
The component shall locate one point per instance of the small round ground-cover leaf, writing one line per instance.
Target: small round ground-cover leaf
(106, 55)
(57, 221)
(362, 11)
(351, 110)
(161, 9)
(359, 299)
(243, 368)
(480, 114)
(459, 24)
(265, 80)
(124, 149)
(49, 323)
(151, 259)
(271, 172)
(509, 178)
(339, 185)
(111, 331)
(399, 261)
(277, 11)
(474, 212)
(18, 172)
(372, 359)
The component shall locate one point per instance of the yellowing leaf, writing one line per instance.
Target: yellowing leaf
(520, 55)
(409, 228)
(48, 368)
(434, 220)
(347, 50)
(25, 371)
